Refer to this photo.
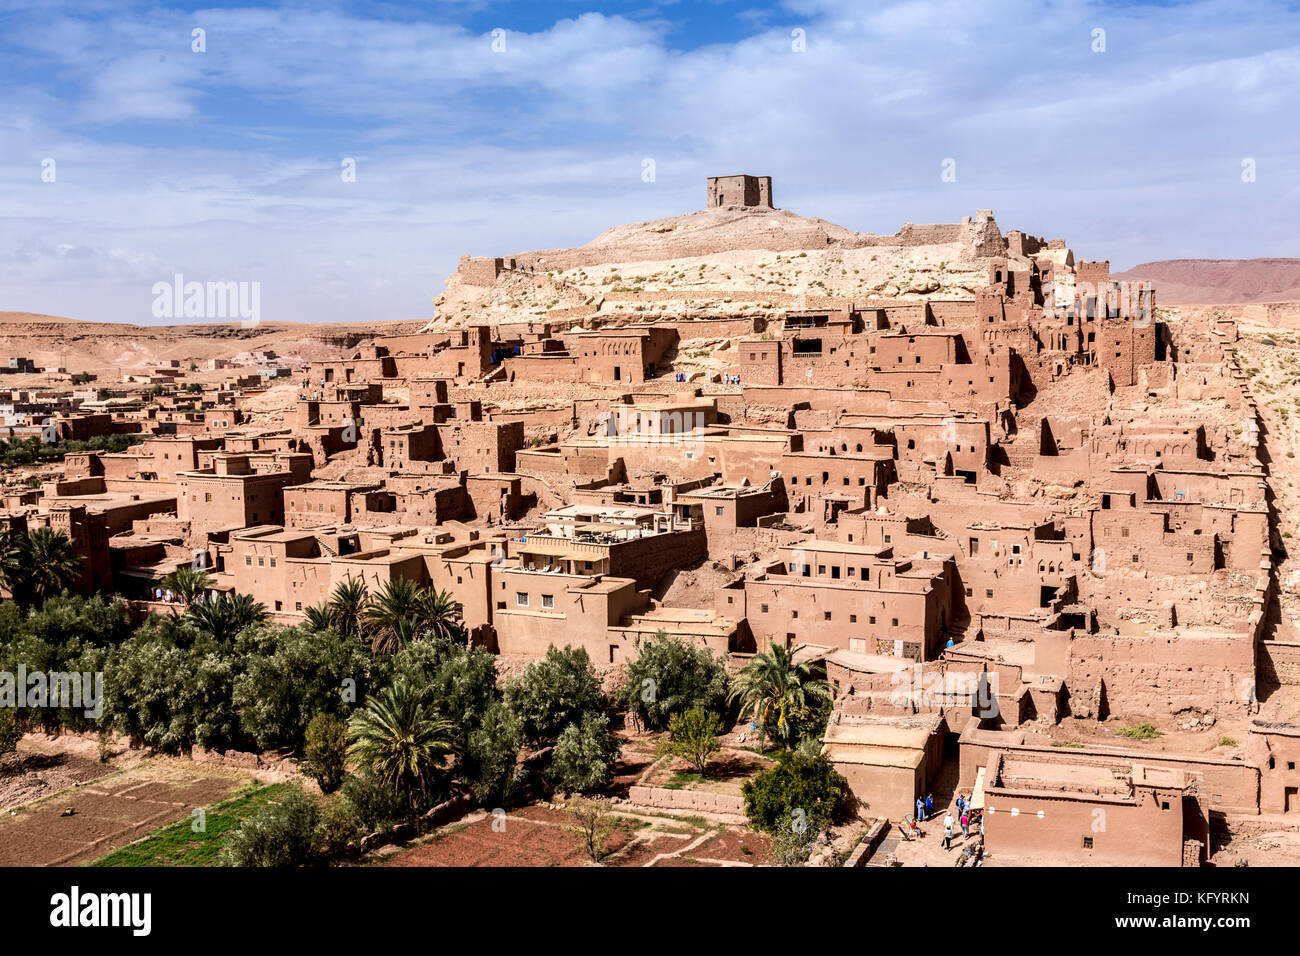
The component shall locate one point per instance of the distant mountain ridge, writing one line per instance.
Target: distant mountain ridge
(1220, 281)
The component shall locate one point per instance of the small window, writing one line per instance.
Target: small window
(1087, 843)
(548, 601)
(521, 599)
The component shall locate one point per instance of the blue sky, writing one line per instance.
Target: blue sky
(226, 164)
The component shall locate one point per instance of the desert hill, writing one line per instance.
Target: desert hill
(728, 261)
(1220, 281)
(79, 346)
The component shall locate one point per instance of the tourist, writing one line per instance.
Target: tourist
(920, 810)
(961, 803)
(947, 831)
(965, 826)
(929, 804)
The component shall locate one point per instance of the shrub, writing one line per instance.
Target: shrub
(373, 804)
(287, 833)
(592, 824)
(338, 827)
(693, 736)
(584, 755)
(795, 838)
(326, 751)
(799, 782)
(1139, 732)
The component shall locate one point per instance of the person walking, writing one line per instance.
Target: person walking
(961, 803)
(920, 811)
(929, 804)
(947, 831)
(965, 826)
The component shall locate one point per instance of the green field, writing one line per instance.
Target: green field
(178, 845)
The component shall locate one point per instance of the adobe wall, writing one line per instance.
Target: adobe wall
(1122, 834)
(1227, 785)
(1156, 676)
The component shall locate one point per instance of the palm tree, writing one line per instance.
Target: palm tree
(51, 564)
(443, 616)
(319, 617)
(14, 565)
(394, 615)
(774, 692)
(396, 737)
(348, 604)
(223, 617)
(188, 583)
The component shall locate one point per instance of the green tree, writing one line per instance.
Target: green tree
(442, 616)
(693, 736)
(584, 755)
(669, 676)
(326, 751)
(291, 674)
(779, 695)
(554, 692)
(802, 784)
(490, 761)
(171, 698)
(395, 737)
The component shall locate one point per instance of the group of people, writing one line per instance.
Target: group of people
(965, 817)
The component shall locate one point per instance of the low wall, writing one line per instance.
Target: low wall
(867, 848)
(665, 799)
